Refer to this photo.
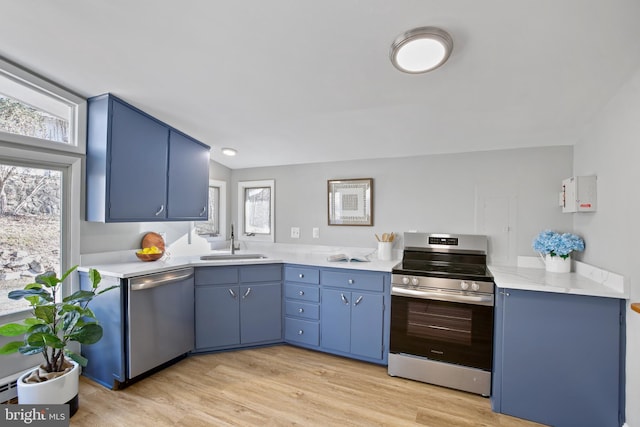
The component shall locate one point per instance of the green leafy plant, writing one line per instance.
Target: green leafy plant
(55, 324)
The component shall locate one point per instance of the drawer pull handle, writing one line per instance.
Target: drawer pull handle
(233, 294)
(246, 294)
(358, 300)
(350, 281)
(344, 299)
(301, 275)
(300, 332)
(301, 310)
(301, 293)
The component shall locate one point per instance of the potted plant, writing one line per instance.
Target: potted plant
(557, 249)
(55, 324)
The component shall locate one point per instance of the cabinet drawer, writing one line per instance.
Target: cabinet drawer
(261, 273)
(353, 280)
(302, 275)
(302, 331)
(216, 275)
(302, 309)
(302, 292)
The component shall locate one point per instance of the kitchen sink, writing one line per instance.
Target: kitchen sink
(217, 257)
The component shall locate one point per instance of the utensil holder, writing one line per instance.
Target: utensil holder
(384, 251)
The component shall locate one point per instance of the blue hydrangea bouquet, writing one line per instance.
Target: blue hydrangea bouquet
(556, 244)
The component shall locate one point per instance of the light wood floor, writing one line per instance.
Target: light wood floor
(281, 385)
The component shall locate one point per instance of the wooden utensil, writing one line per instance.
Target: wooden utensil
(385, 237)
(377, 238)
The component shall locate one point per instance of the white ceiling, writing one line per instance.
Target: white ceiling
(301, 81)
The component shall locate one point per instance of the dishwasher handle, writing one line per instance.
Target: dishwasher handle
(149, 282)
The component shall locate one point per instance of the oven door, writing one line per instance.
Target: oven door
(453, 332)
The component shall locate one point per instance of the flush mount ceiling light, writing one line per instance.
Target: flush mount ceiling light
(421, 49)
(229, 152)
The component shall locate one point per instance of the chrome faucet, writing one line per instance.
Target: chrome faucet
(233, 243)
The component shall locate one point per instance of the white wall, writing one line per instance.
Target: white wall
(611, 149)
(441, 193)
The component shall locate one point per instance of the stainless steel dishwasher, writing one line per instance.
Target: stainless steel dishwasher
(160, 316)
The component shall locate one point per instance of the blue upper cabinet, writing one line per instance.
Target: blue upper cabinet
(140, 169)
(188, 178)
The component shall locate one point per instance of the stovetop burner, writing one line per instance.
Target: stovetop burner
(449, 256)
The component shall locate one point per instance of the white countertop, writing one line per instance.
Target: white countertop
(585, 280)
(125, 264)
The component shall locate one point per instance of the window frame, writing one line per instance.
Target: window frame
(77, 120)
(241, 234)
(222, 211)
(68, 158)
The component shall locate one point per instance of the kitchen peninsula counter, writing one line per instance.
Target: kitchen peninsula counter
(585, 280)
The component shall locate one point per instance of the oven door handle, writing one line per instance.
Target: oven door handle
(471, 299)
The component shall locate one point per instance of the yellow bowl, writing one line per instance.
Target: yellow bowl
(149, 257)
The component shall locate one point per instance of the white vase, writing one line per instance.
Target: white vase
(556, 264)
(62, 389)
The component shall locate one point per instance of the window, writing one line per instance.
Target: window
(40, 182)
(256, 210)
(35, 112)
(30, 220)
(214, 227)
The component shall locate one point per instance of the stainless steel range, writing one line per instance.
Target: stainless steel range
(442, 298)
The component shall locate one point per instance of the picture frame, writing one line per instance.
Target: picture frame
(350, 201)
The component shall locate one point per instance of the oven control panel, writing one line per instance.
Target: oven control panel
(417, 282)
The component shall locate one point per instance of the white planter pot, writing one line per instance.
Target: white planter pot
(63, 389)
(555, 264)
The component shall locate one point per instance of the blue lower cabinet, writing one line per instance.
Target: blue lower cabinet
(298, 331)
(234, 308)
(302, 306)
(559, 359)
(354, 321)
(217, 316)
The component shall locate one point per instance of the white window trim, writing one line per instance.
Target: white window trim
(222, 211)
(240, 233)
(78, 123)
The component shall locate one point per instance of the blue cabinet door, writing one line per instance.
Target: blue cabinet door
(367, 312)
(335, 323)
(558, 358)
(217, 316)
(137, 187)
(188, 178)
(260, 313)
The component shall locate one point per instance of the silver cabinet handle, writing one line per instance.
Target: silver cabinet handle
(301, 293)
(301, 310)
(246, 294)
(506, 294)
(300, 332)
(358, 300)
(160, 210)
(301, 275)
(344, 299)
(233, 294)
(204, 209)
(350, 281)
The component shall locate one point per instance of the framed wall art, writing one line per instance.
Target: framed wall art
(350, 201)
